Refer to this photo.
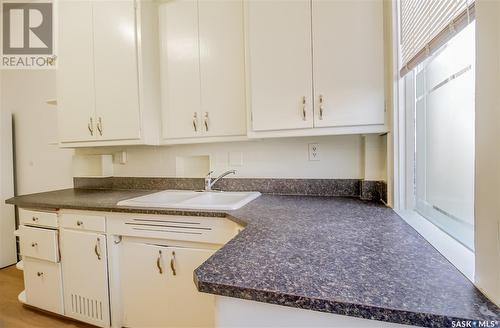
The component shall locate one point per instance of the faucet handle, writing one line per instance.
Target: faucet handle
(209, 174)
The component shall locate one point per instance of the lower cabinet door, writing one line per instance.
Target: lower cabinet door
(158, 289)
(43, 284)
(85, 276)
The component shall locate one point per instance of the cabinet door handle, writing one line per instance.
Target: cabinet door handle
(34, 244)
(97, 248)
(304, 113)
(172, 264)
(321, 100)
(79, 223)
(195, 122)
(158, 263)
(90, 126)
(99, 126)
(40, 274)
(34, 219)
(205, 121)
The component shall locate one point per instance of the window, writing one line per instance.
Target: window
(434, 125)
(443, 121)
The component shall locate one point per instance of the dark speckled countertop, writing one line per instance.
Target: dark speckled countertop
(329, 254)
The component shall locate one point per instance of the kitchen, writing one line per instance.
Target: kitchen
(308, 163)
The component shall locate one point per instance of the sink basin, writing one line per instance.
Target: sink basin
(213, 200)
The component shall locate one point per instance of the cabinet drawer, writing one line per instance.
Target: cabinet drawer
(40, 243)
(83, 222)
(38, 218)
(43, 285)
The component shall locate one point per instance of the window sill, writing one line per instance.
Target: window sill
(460, 256)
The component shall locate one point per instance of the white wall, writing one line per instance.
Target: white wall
(41, 165)
(8, 254)
(340, 157)
(487, 185)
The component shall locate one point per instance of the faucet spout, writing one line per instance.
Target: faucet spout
(208, 179)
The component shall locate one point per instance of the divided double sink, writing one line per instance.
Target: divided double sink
(194, 200)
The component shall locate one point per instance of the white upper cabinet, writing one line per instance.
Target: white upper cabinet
(348, 62)
(280, 62)
(107, 76)
(222, 67)
(202, 69)
(75, 72)
(315, 64)
(116, 76)
(180, 69)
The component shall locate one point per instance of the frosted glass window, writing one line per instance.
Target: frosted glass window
(444, 129)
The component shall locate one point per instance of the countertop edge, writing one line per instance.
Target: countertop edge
(329, 306)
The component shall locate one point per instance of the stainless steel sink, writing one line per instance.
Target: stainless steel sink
(209, 200)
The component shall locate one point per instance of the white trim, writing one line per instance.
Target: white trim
(396, 85)
(459, 255)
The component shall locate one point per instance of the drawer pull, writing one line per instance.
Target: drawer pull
(158, 263)
(34, 244)
(172, 263)
(79, 223)
(40, 274)
(97, 249)
(34, 219)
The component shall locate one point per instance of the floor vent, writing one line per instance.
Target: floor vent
(86, 307)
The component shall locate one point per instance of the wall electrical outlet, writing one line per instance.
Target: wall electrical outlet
(314, 154)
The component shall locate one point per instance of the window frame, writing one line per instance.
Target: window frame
(402, 165)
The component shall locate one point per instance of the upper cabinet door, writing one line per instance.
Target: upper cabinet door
(222, 67)
(75, 96)
(348, 62)
(280, 62)
(180, 69)
(116, 70)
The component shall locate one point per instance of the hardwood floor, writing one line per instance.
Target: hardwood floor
(14, 315)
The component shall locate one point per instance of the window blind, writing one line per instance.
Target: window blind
(425, 25)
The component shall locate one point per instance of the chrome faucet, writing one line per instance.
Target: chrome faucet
(208, 179)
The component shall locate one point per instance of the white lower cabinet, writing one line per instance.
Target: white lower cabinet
(157, 286)
(85, 276)
(42, 282)
(120, 270)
